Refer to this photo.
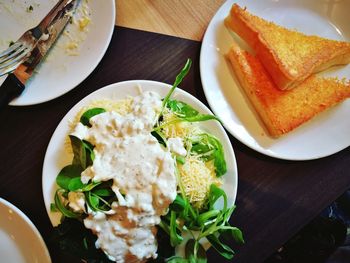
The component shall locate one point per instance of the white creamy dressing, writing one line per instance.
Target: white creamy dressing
(76, 201)
(143, 174)
(176, 145)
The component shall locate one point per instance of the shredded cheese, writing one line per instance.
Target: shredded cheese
(179, 129)
(196, 177)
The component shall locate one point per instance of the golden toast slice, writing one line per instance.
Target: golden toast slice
(283, 110)
(289, 56)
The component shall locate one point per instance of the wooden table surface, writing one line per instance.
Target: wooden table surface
(180, 18)
(275, 198)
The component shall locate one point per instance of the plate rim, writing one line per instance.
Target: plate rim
(63, 123)
(255, 146)
(26, 220)
(88, 73)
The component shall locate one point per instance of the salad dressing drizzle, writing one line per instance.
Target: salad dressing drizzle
(143, 174)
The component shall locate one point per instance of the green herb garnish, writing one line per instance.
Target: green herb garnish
(30, 9)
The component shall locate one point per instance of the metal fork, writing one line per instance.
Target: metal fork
(12, 57)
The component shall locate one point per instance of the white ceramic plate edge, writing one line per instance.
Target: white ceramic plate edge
(131, 88)
(86, 74)
(239, 134)
(32, 227)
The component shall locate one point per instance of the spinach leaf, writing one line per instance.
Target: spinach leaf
(83, 152)
(90, 186)
(72, 238)
(97, 202)
(186, 113)
(90, 155)
(85, 118)
(53, 208)
(181, 109)
(62, 208)
(75, 184)
(92, 201)
(165, 250)
(67, 174)
(208, 147)
(103, 192)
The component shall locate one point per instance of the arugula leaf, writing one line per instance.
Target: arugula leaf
(67, 174)
(179, 204)
(200, 117)
(194, 249)
(214, 194)
(177, 260)
(160, 137)
(206, 216)
(234, 233)
(221, 248)
(175, 238)
(178, 80)
(208, 147)
(85, 118)
(180, 159)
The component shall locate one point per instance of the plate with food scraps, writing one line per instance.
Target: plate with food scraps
(210, 162)
(16, 232)
(325, 134)
(73, 57)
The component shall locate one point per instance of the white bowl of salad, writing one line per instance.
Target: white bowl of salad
(141, 171)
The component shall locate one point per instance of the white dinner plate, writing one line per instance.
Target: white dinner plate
(20, 241)
(325, 134)
(65, 67)
(56, 156)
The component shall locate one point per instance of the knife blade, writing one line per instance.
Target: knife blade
(15, 82)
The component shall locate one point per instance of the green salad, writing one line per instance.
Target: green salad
(187, 217)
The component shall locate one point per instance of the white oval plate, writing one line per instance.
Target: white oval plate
(56, 157)
(325, 134)
(59, 72)
(20, 241)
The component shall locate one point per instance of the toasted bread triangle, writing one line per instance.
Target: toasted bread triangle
(284, 110)
(288, 56)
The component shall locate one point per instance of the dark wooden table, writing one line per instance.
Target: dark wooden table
(275, 197)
